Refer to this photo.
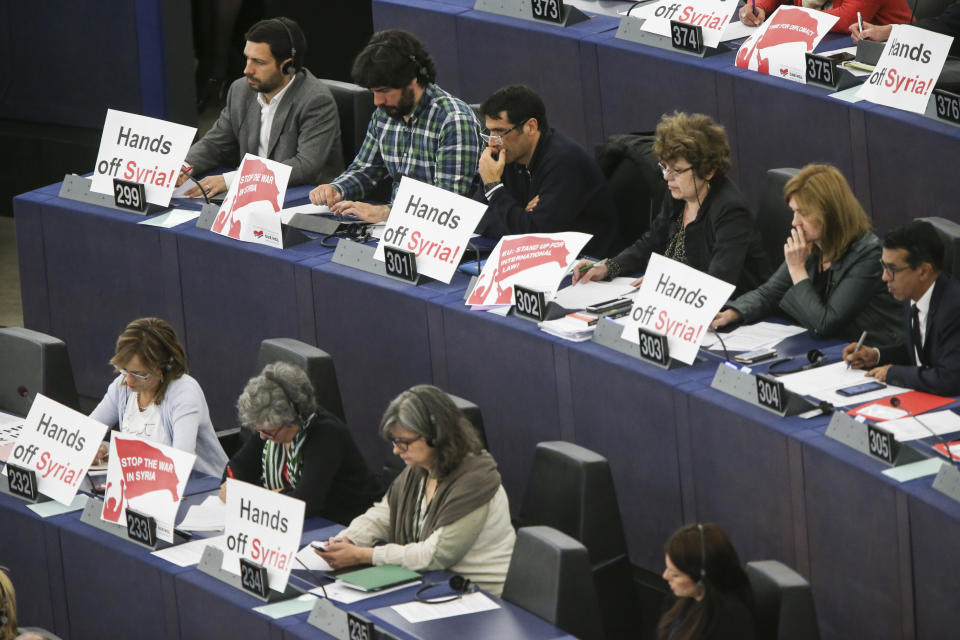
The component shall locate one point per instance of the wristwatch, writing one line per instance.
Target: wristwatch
(489, 188)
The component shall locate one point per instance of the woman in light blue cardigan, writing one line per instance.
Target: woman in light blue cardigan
(155, 398)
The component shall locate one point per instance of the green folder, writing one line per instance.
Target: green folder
(377, 578)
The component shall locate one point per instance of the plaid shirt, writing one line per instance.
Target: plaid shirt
(438, 145)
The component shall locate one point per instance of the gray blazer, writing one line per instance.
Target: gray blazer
(305, 132)
(855, 299)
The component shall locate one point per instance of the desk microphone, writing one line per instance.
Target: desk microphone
(206, 198)
(726, 354)
(895, 402)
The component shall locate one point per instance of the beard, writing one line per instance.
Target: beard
(267, 85)
(404, 106)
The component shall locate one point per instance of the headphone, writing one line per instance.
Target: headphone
(458, 584)
(173, 356)
(301, 414)
(431, 442)
(422, 72)
(289, 67)
(703, 557)
(815, 358)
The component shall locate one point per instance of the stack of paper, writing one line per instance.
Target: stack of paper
(584, 294)
(822, 383)
(570, 327)
(938, 422)
(209, 515)
(761, 335)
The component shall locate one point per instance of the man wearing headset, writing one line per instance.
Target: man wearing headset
(419, 130)
(277, 110)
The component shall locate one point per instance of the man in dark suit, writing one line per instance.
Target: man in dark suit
(928, 358)
(277, 110)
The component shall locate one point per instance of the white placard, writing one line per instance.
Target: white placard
(432, 223)
(710, 15)
(251, 208)
(141, 149)
(59, 444)
(264, 527)
(537, 261)
(908, 68)
(779, 45)
(676, 301)
(147, 477)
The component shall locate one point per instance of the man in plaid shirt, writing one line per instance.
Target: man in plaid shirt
(419, 130)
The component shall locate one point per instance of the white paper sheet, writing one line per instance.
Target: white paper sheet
(760, 335)
(342, 593)
(54, 508)
(582, 295)
(171, 219)
(822, 383)
(940, 422)
(310, 560)
(470, 603)
(189, 553)
(737, 30)
(291, 607)
(209, 515)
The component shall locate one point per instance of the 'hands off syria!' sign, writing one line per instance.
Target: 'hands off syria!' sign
(678, 302)
(907, 69)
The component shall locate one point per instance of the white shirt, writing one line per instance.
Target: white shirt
(923, 309)
(145, 424)
(267, 111)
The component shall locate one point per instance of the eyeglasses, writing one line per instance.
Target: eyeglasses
(672, 173)
(892, 270)
(402, 444)
(138, 376)
(497, 139)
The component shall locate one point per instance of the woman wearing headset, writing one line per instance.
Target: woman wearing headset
(299, 447)
(713, 599)
(704, 222)
(446, 510)
(153, 395)
(829, 281)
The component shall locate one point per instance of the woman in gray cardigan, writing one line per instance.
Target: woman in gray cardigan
(154, 397)
(829, 281)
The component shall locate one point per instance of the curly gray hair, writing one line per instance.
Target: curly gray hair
(281, 395)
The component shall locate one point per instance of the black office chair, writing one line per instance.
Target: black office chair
(635, 181)
(783, 602)
(774, 216)
(33, 363)
(320, 370)
(930, 8)
(394, 465)
(549, 576)
(571, 489)
(949, 232)
(354, 107)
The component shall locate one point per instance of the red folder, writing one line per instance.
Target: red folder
(913, 402)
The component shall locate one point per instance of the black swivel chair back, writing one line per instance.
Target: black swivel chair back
(783, 602)
(929, 8)
(32, 363)
(571, 489)
(949, 232)
(317, 363)
(549, 576)
(394, 465)
(354, 107)
(774, 217)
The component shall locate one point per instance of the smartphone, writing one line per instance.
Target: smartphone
(749, 357)
(319, 544)
(863, 387)
(842, 56)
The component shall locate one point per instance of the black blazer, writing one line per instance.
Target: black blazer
(723, 241)
(941, 346)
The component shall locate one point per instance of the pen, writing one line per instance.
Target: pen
(863, 336)
(230, 471)
(753, 3)
(860, 26)
(587, 267)
(187, 168)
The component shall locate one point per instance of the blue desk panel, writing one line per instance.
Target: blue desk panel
(27, 211)
(548, 61)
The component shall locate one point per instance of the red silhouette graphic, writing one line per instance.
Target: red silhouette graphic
(144, 468)
(518, 254)
(256, 183)
(788, 25)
